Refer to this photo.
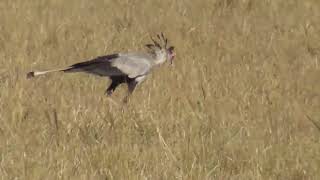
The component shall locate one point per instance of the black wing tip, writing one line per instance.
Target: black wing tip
(98, 59)
(30, 75)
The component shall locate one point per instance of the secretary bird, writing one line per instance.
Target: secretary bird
(130, 68)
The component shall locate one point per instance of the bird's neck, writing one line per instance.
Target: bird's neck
(159, 57)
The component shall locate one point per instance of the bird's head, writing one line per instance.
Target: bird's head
(162, 49)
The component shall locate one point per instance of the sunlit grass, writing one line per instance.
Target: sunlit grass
(241, 102)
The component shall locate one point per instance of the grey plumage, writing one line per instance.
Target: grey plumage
(131, 68)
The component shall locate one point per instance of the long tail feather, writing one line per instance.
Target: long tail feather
(91, 66)
(38, 73)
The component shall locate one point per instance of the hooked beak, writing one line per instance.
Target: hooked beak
(171, 54)
(171, 59)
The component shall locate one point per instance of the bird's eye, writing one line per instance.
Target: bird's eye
(170, 49)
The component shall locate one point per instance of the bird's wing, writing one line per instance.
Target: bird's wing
(130, 64)
(133, 64)
(99, 66)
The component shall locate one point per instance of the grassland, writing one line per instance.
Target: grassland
(241, 102)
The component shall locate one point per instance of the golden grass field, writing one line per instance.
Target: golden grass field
(241, 102)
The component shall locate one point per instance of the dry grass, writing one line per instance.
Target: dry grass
(235, 105)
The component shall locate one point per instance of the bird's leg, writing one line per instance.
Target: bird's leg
(111, 88)
(131, 86)
(114, 84)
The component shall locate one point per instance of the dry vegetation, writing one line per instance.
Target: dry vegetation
(234, 106)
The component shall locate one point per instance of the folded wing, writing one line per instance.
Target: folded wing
(131, 65)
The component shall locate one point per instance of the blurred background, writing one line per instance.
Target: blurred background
(241, 102)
